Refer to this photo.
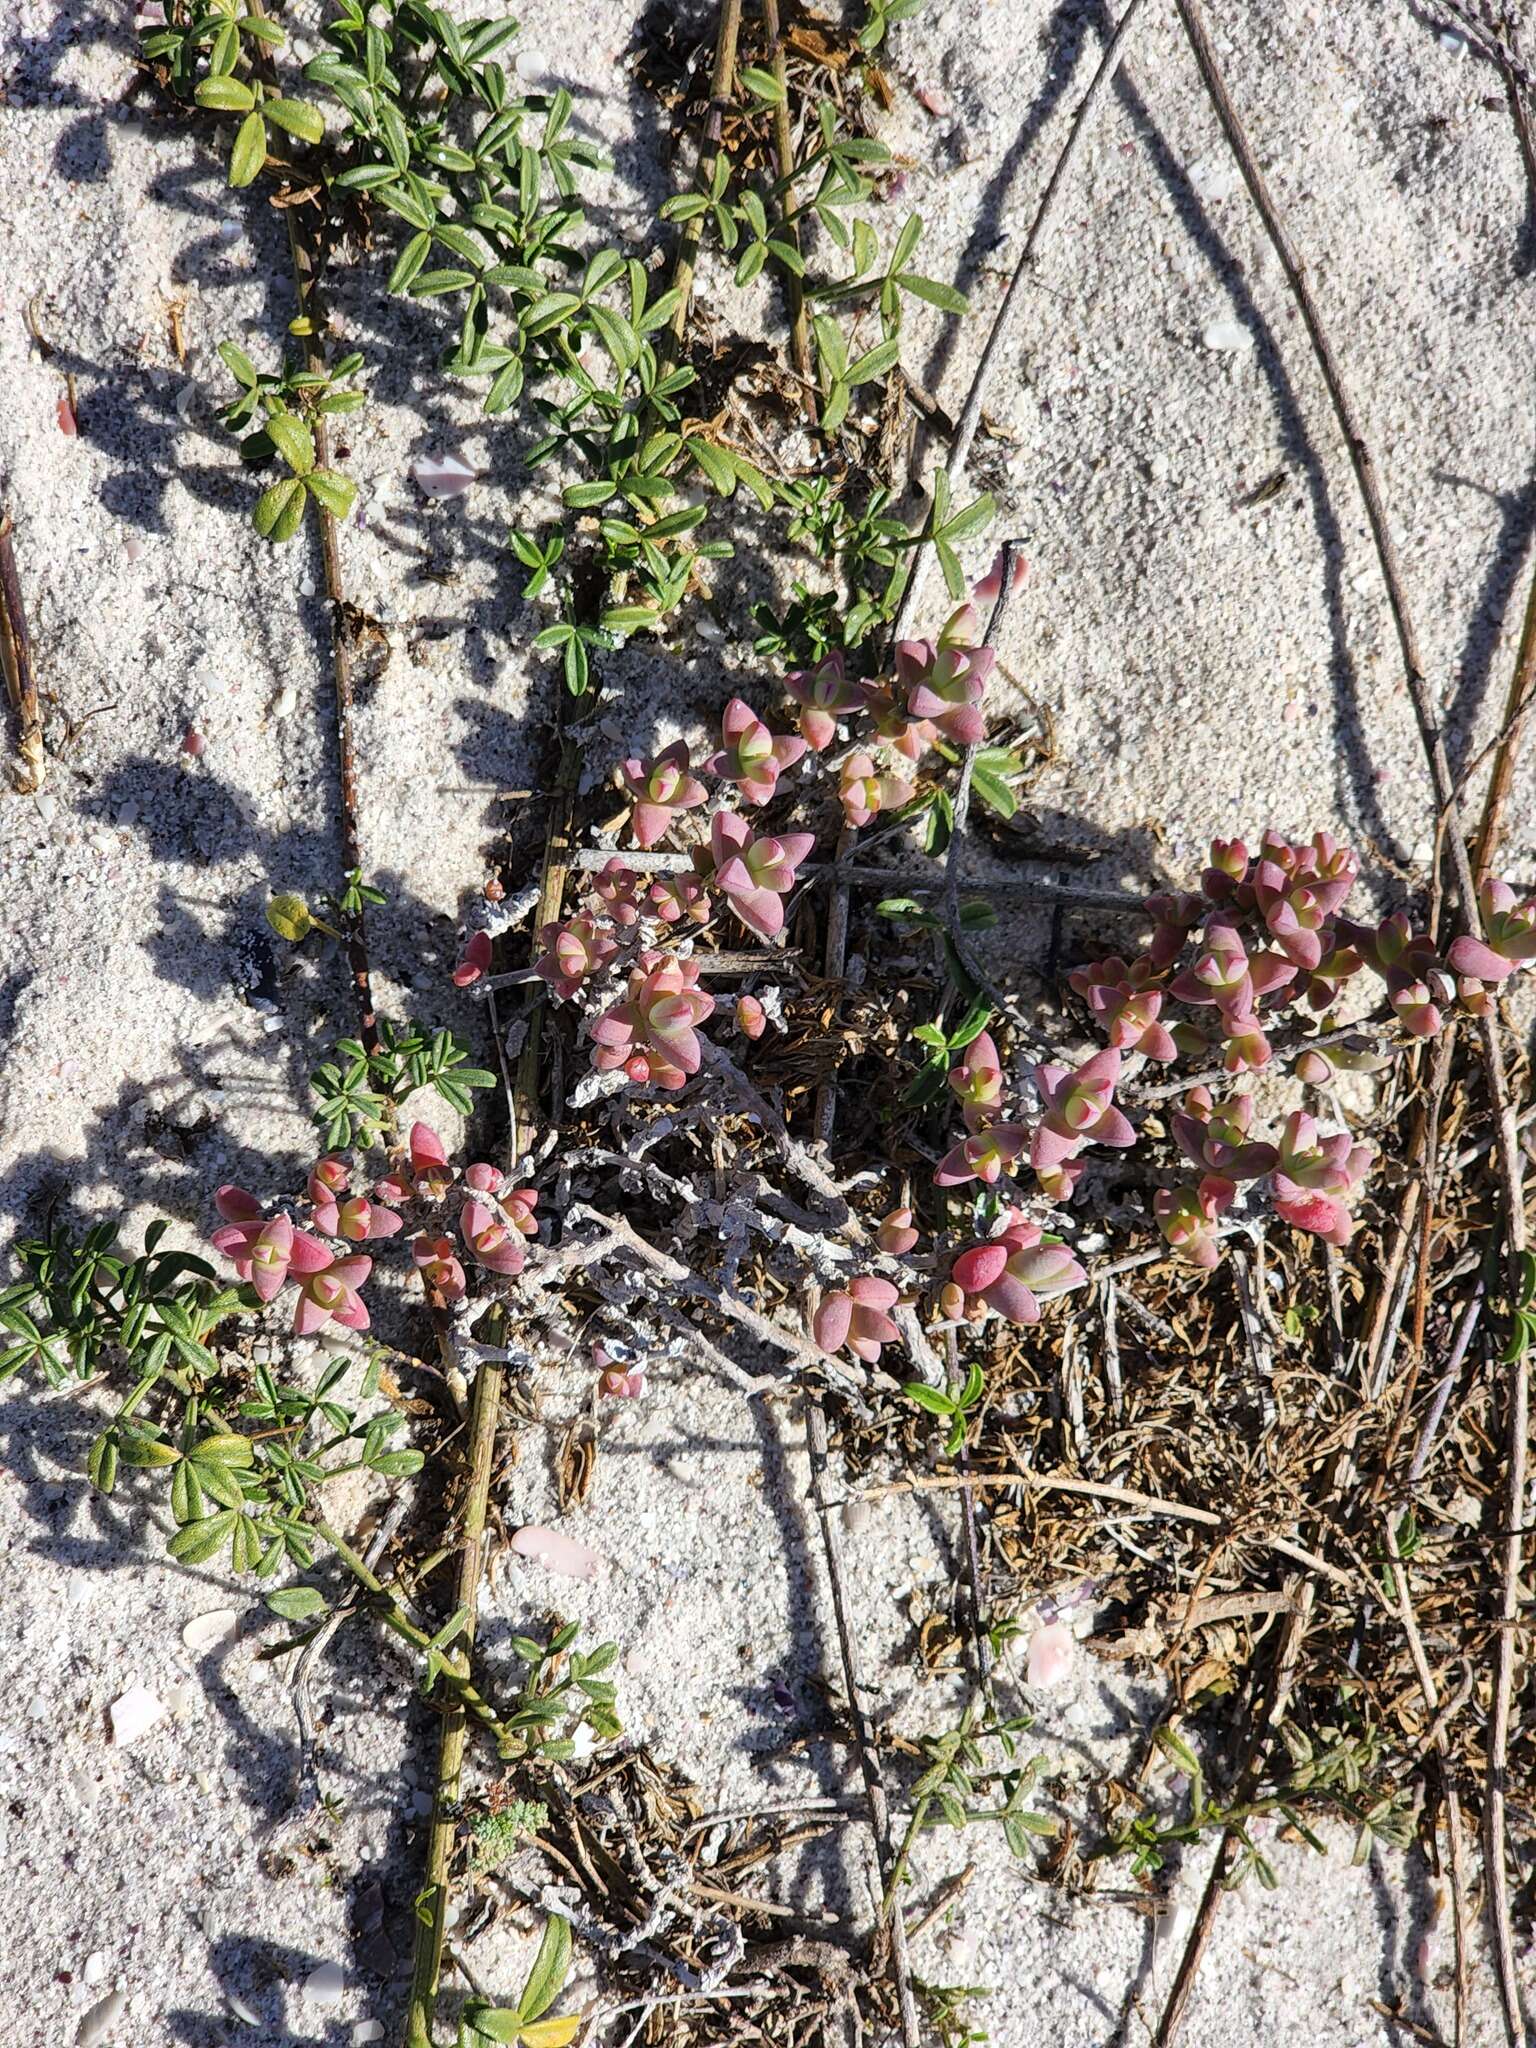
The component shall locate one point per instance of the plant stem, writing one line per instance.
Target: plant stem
(304, 257)
(16, 659)
(687, 256)
(784, 160)
(432, 1902)
(394, 1617)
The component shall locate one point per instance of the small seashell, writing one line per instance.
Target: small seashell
(532, 66)
(285, 702)
(325, 1985)
(366, 2031)
(203, 1630)
(193, 745)
(558, 1553)
(857, 1515)
(1051, 1652)
(442, 476)
(133, 1714)
(133, 548)
(94, 1968)
(100, 2019)
(1228, 337)
(65, 413)
(186, 398)
(241, 2010)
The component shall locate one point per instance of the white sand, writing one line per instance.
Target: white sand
(1210, 668)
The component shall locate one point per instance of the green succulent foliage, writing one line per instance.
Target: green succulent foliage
(880, 17)
(215, 53)
(563, 1683)
(273, 414)
(357, 1092)
(952, 1406)
(83, 1304)
(243, 1455)
(1522, 1329)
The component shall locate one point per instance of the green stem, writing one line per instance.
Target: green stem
(693, 232)
(452, 1678)
(432, 1903)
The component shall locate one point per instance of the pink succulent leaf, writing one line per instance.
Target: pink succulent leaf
(1478, 961)
(833, 1321)
(474, 961)
(326, 1217)
(895, 1234)
(235, 1205)
(982, 1266)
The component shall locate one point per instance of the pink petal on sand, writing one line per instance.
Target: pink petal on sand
(1051, 1652)
(562, 1554)
(442, 476)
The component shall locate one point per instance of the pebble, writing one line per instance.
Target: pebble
(532, 66)
(1215, 177)
(94, 1968)
(285, 703)
(1228, 337)
(325, 1985)
(101, 2019)
(133, 1714)
(366, 2031)
(559, 1553)
(133, 548)
(442, 476)
(207, 1629)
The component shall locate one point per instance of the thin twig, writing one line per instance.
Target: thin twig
(869, 1755)
(16, 659)
(1286, 1656)
(1403, 1601)
(1034, 243)
(1121, 1496)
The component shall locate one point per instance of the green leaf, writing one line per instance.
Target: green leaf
(944, 296)
(550, 1967)
(874, 363)
(293, 441)
(492, 2022)
(200, 1541)
(298, 117)
(250, 150)
(280, 510)
(334, 491)
(714, 464)
(934, 1399)
(225, 95)
(101, 1465)
(296, 1603)
(762, 83)
(238, 364)
(409, 262)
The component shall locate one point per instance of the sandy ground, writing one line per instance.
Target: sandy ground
(1211, 665)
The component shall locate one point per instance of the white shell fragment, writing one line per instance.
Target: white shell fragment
(100, 2019)
(442, 476)
(366, 2031)
(133, 1714)
(325, 1985)
(562, 1554)
(204, 1630)
(1228, 337)
(246, 2013)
